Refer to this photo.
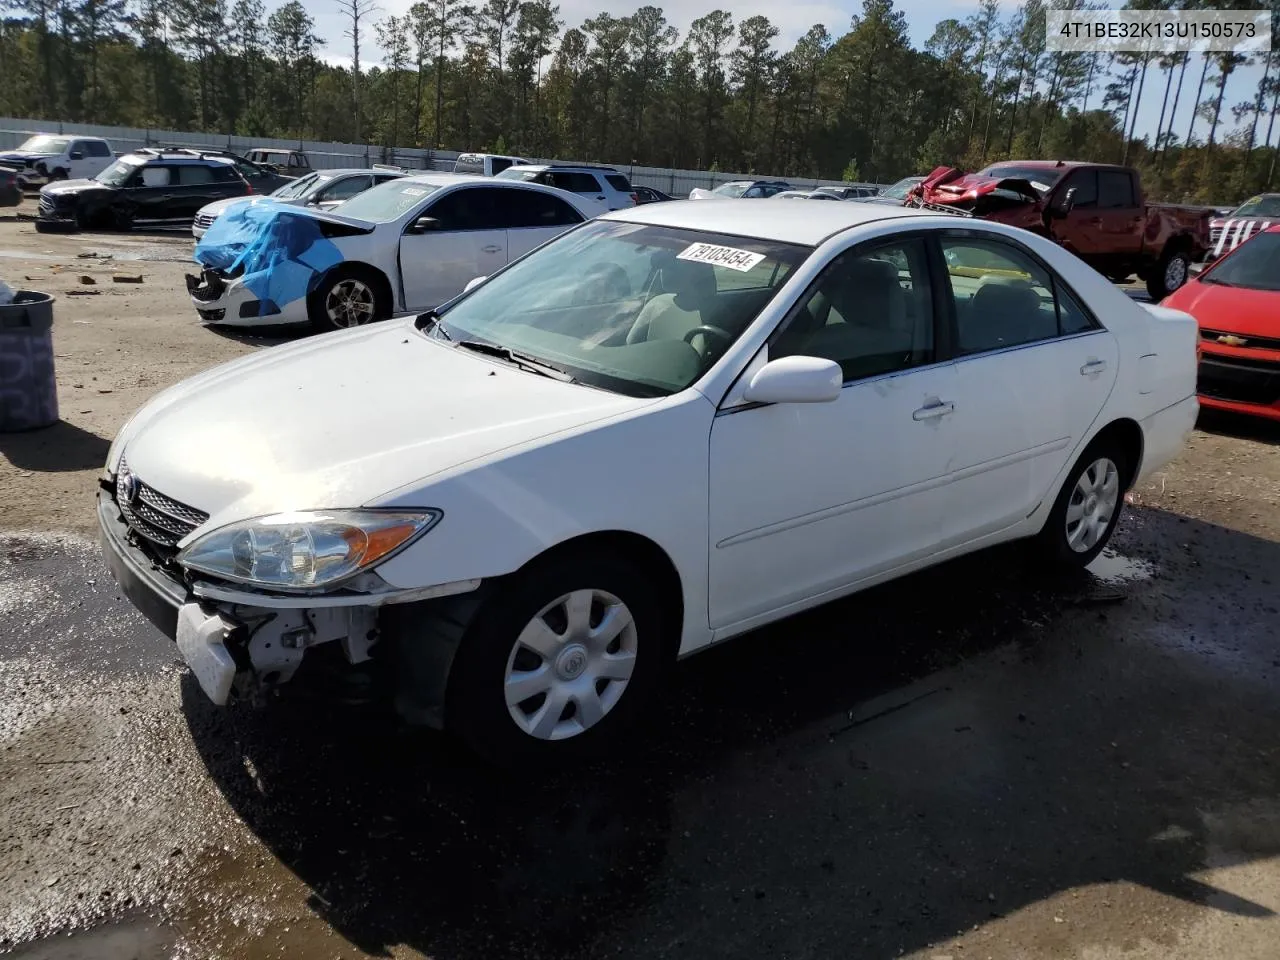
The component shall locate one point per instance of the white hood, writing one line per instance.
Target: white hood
(342, 420)
(218, 206)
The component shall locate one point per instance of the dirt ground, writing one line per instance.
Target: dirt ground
(972, 762)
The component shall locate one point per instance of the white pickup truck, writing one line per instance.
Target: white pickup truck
(49, 156)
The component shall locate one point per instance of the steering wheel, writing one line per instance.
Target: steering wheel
(707, 330)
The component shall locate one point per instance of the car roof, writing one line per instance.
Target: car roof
(181, 159)
(804, 223)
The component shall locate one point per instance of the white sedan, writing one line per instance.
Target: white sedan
(323, 190)
(410, 244)
(667, 427)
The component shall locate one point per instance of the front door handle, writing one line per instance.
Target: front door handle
(1093, 368)
(491, 248)
(936, 408)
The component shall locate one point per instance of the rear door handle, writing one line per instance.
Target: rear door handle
(935, 409)
(491, 248)
(1093, 368)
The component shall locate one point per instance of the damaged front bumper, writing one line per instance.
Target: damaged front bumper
(239, 641)
(228, 302)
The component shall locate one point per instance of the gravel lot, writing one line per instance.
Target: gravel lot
(972, 762)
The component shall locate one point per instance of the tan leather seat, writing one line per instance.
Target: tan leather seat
(688, 298)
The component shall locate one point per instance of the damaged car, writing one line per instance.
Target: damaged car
(515, 513)
(408, 244)
(47, 157)
(1097, 211)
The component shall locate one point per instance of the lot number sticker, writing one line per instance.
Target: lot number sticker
(731, 257)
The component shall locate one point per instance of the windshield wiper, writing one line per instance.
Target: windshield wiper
(431, 321)
(522, 360)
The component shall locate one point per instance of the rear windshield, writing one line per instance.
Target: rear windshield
(618, 182)
(1259, 207)
(469, 165)
(733, 190)
(1254, 265)
(387, 201)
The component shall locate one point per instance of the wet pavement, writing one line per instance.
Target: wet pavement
(974, 761)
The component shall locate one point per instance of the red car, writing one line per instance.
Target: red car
(1237, 304)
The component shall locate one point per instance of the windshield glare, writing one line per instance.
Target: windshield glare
(1254, 265)
(43, 143)
(640, 310)
(387, 201)
(517, 173)
(1259, 207)
(119, 172)
(1042, 178)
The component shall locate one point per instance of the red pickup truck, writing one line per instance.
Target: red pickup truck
(1095, 210)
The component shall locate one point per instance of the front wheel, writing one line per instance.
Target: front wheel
(1170, 273)
(557, 664)
(346, 298)
(1087, 509)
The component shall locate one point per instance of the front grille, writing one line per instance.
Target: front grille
(212, 316)
(1243, 381)
(1260, 343)
(204, 220)
(46, 207)
(156, 518)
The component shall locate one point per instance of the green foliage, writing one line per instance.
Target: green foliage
(462, 75)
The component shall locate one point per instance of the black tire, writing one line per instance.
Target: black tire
(1054, 542)
(367, 279)
(476, 709)
(58, 174)
(1163, 279)
(121, 219)
(1119, 278)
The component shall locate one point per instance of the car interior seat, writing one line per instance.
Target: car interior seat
(685, 303)
(1004, 311)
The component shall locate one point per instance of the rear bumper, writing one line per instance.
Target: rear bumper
(156, 596)
(1164, 433)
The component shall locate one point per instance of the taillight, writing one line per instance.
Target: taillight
(248, 187)
(635, 200)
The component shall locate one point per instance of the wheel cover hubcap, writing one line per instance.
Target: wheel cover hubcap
(1175, 274)
(570, 664)
(1092, 505)
(349, 303)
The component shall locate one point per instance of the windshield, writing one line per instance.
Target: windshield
(43, 143)
(1268, 206)
(301, 186)
(1254, 265)
(639, 310)
(1042, 178)
(387, 201)
(734, 190)
(899, 190)
(119, 172)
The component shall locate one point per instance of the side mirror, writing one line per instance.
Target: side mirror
(424, 224)
(1067, 202)
(795, 380)
(472, 284)
(76, 155)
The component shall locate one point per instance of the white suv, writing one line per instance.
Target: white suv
(602, 184)
(48, 156)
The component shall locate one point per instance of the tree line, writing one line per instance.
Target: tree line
(507, 76)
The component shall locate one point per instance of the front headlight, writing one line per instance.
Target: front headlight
(305, 550)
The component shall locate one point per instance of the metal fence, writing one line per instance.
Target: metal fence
(330, 155)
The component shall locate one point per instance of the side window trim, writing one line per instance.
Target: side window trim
(943, 283)
(859, 249)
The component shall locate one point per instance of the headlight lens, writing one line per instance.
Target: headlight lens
(302, 551)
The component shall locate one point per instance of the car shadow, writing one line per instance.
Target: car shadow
(883, 771)
(1239, 425)
(261, 336)
(54, 449)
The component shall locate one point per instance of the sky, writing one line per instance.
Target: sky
(793, 19)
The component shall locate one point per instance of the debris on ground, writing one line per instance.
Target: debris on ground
(126, 278)
(83, 293)
(87, 280)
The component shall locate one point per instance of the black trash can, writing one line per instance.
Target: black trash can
(28, 389)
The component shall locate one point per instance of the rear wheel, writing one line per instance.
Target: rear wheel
(345, 298)
(1088, 507)
(1170, 273)
(557, 664)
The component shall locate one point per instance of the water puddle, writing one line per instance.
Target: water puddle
(1112, 568)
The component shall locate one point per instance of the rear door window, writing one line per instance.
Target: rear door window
(194, 173)
(533, 208)
(1115, 189)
